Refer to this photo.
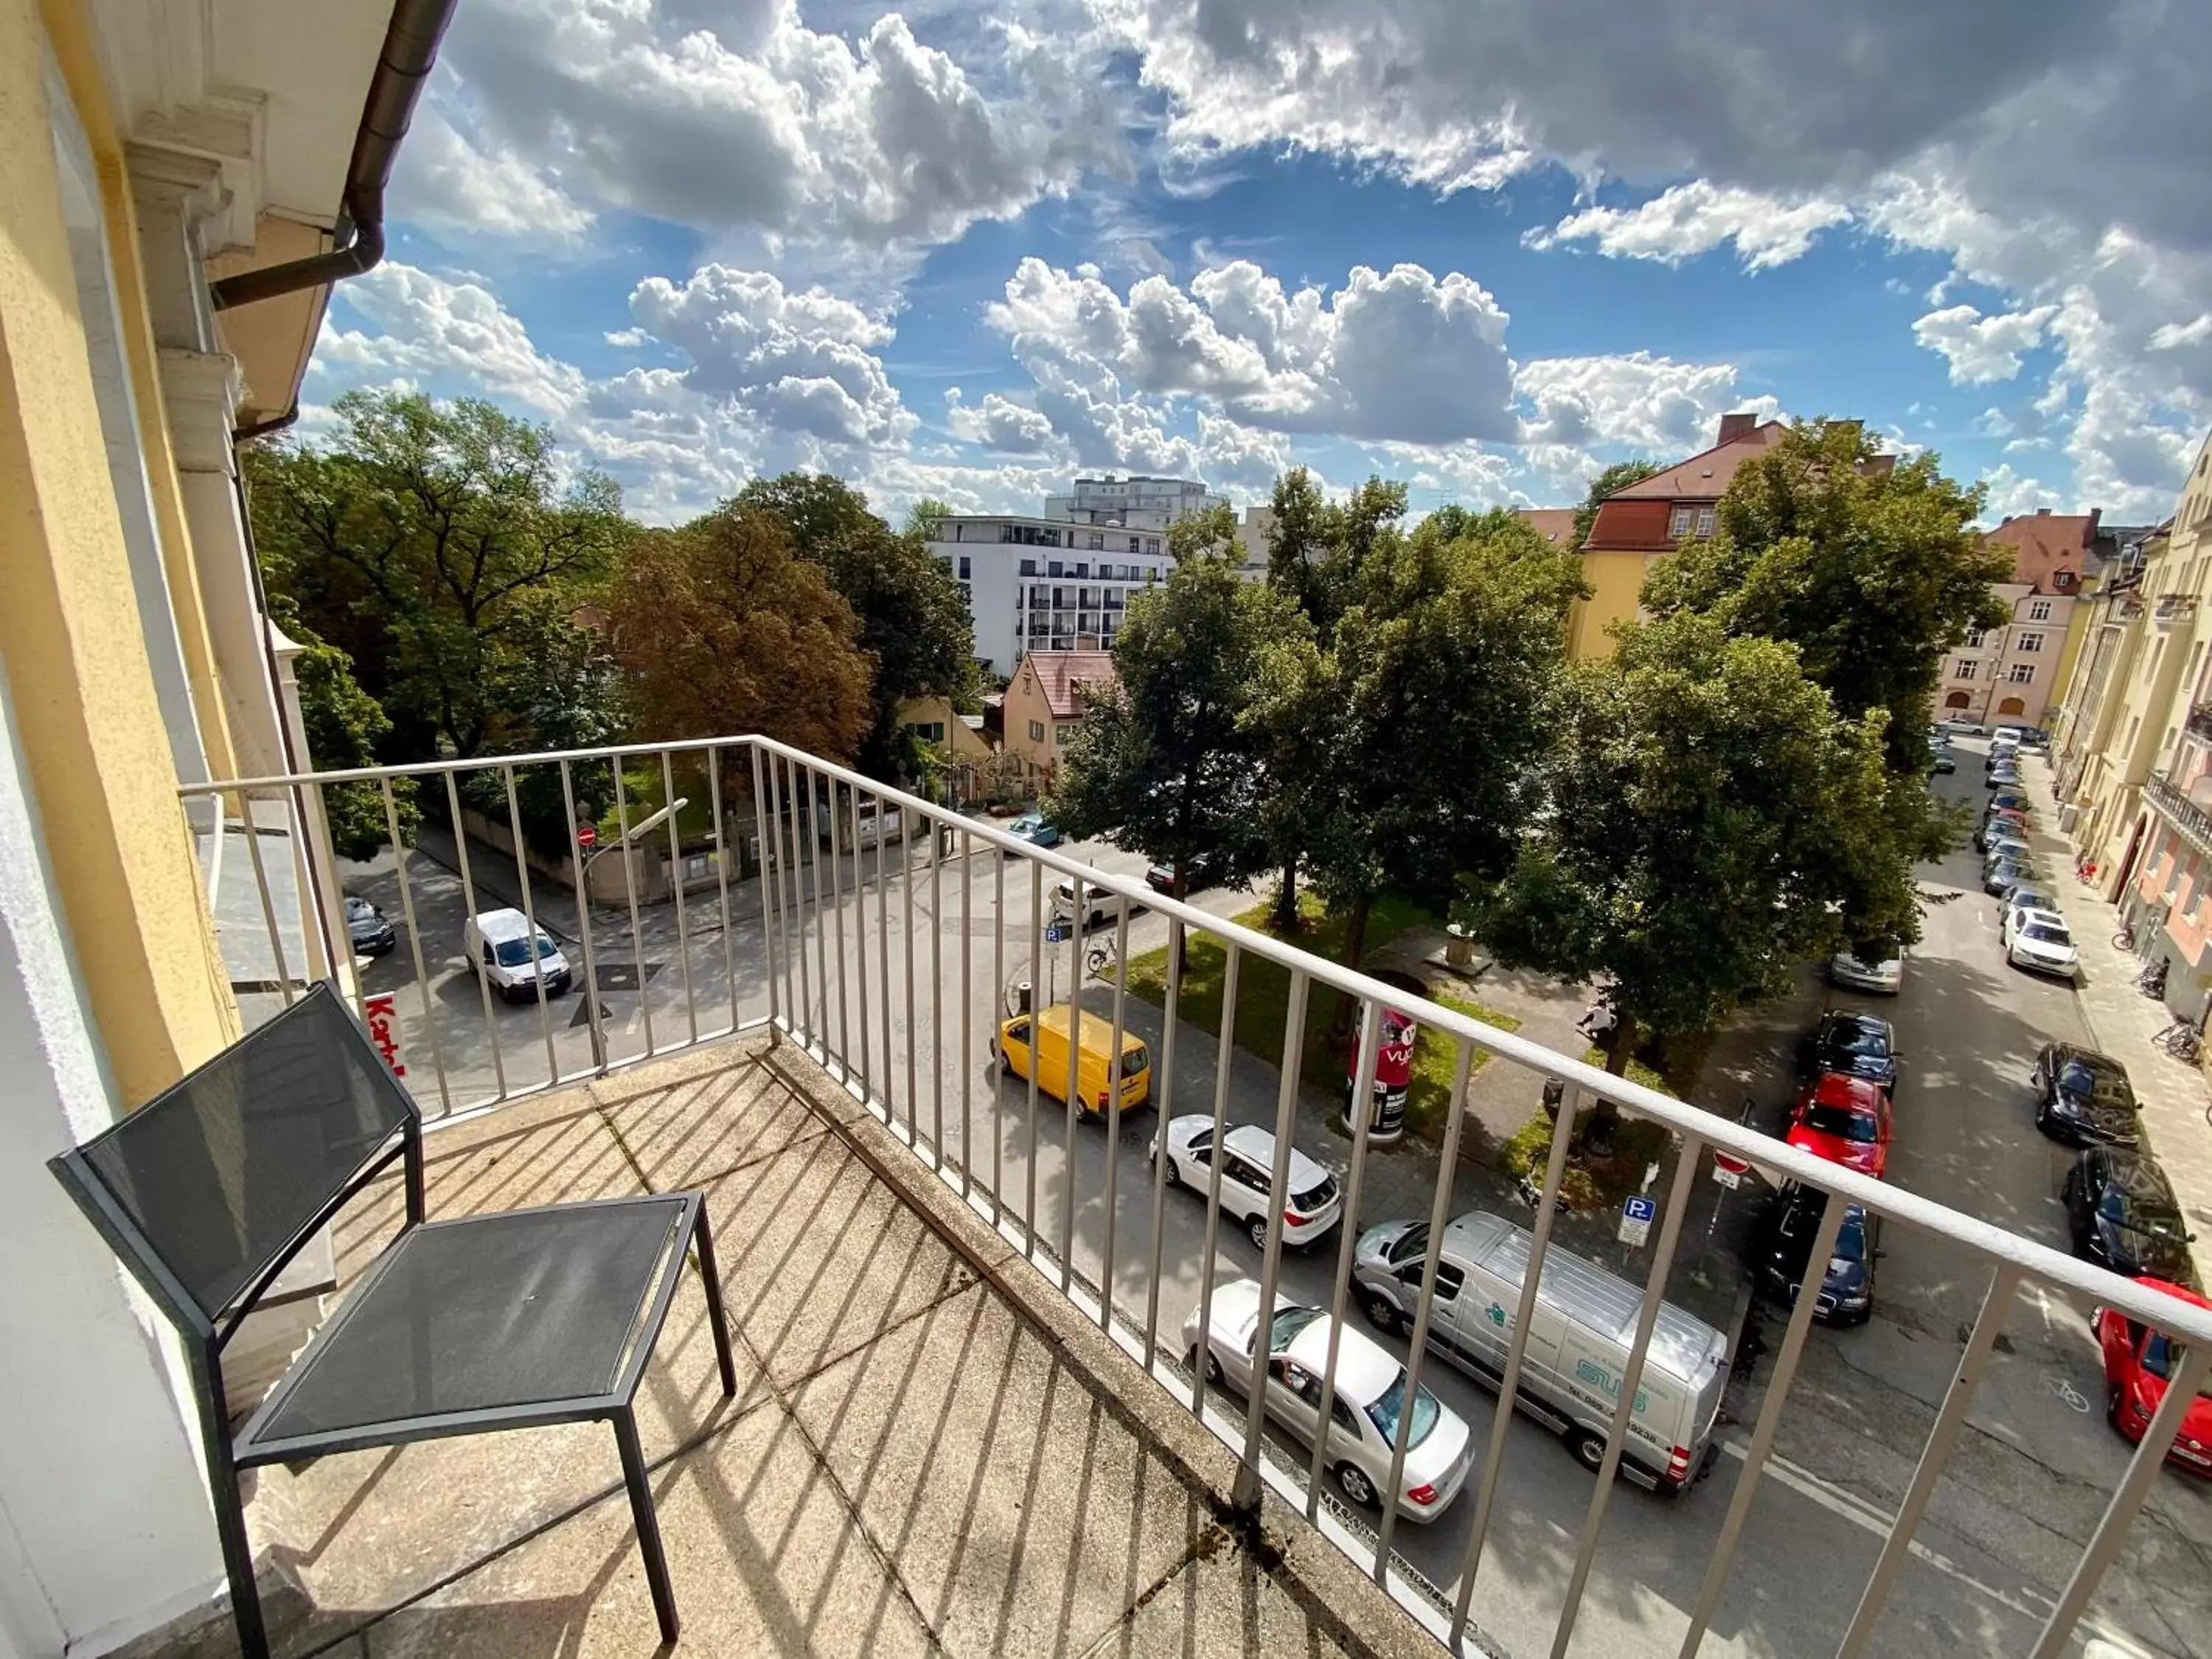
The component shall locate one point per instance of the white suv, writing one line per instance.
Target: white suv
(499, 948)
(1313, 1206)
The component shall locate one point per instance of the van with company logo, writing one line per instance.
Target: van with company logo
(1041, 1041)
(1582, 1330)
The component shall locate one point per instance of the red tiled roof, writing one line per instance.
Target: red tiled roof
(2044, 543)
(1705, 476)
(1059, 672)
(1556, 525)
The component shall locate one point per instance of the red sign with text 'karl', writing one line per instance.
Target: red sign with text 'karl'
(382, 1013)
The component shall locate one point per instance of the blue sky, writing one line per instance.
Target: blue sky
(1483, 247)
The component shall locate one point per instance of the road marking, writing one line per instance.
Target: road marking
(1864, 1515)
(2066, 1391)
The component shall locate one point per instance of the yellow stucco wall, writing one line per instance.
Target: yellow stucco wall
(1616, 582)
(78, 676)
(72, 50)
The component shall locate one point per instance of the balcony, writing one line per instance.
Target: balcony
(2199, 723)
(2171, 608)
(965, 1421)
(2192, 822)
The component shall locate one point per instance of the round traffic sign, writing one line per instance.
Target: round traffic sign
(586, 835)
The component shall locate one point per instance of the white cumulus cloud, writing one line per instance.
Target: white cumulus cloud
(1979, 348)
(1696, 218)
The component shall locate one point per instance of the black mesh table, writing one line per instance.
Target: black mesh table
(512, 1320)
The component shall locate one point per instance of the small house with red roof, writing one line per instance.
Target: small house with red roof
(1044, 701)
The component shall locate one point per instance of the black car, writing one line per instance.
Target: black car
(366, 926)
(1792, 1221)
(2124, 1215)
(1942, 761)
(2083, 1097)
(1853, 1045)
(2002, 877)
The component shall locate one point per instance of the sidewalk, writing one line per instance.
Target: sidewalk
(2172, 1093)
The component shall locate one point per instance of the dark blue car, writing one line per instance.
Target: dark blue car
(1793, 1222)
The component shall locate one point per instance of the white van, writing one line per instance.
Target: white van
(1584, 1325)
(876, 821)
(499, 949)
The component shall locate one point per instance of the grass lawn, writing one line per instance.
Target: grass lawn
(1263, 995)
(1595, 1183)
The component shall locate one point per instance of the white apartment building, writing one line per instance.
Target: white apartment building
(1040, 584)
(1132, 504)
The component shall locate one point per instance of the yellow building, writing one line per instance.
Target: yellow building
(146, 148)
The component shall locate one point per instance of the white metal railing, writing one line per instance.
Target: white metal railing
(813, 883)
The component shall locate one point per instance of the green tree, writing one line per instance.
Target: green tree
(1871, 569)
(1421, 718)
(1701, 808)
(925, 517)
(1316, 550)
(914, 624)
(344, 726)
(1618, 475)
(1162, 755)
(433, 543)
(720, 629)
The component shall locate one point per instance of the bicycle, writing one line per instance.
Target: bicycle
(2181, 1040)
(1097, 960)
(2125, 940)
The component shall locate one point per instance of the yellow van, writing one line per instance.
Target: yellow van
(1096, 1043)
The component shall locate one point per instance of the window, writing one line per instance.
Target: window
(927, 731)
(1037, 730)
(2040, 610)
(967, 567)
(1028, 567)
(1705, 522)
(1094, 541)
(1082, 568)
(1061, 735)
(2023, 673)
(2031, 642)
(1963, 670)
(1151, 544)
(1132, 543)
(1679, 520)
(1054, 567)
(1974, 635)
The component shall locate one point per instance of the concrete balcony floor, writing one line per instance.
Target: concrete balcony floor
(929, 1452)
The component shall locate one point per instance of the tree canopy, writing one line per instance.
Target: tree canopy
(1702, 810)
(436, 545)
(719, 629)
(1418, 721)
(1163, 754)
(912, 621)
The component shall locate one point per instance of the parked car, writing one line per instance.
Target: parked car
(1853, 1045)
(1370, 1395)
(1099, 906)
(1791, 1223)
(1992, 830)
(2005, 797)
(2122, 1214)
(1034, 829)
(499, 943)
(1887, 976)
(1248, 1165)
(1160, 878)
(1844, 1119)
(2002, 777)
(2001, 878)
(371, 934)
(2038, 939)
(1940, 762)
(2083, 1097)
(1996, 844)
(2028, 897)
(1580, 1334)
(1017, 1042)
(2138, 1359)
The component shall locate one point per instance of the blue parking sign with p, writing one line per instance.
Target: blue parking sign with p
(1635, 1208)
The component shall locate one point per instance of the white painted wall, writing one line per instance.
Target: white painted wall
(106, 1529)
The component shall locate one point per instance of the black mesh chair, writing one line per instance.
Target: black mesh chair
(508, 1321)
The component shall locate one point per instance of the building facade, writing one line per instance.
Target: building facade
(148, 149)
(1136, 502)
(2014, 674)
(1044, 704)
(1647, 521)
(1038, 584)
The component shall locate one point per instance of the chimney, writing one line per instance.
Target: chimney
(1741, 425)
(2042, 512)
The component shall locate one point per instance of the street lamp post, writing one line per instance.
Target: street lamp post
(584, 863)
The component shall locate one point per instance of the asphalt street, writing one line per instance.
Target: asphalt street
(2024, 1488)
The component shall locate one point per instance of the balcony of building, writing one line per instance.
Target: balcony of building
(2169, 609)
(967, 1419)
(2192, 822)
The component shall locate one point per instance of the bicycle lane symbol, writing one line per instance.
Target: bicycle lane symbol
(2066, 1392)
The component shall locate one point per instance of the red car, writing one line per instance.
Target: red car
(2137, 1362)
(1844, 1119)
